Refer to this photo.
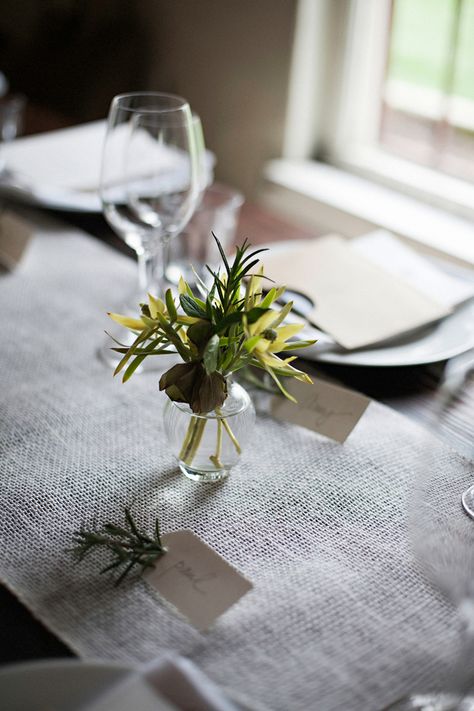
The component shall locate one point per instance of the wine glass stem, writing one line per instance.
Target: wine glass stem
(146, 271)
(160, 264)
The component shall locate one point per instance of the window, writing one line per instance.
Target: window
(428, 94)
(385, 89)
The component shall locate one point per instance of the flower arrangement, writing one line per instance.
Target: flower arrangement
(230, 326)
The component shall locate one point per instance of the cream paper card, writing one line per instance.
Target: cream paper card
(15, 233)
(356, 301)
(390, 253)
(328, 409)
(196, 579)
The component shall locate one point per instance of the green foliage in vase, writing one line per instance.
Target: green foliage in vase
(231, 327)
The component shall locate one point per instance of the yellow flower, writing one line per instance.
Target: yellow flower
(134, 324)
(155, 306)
(266, 337)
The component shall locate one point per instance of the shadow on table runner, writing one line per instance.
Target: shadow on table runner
(339, 615)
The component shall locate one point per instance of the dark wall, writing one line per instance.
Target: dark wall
(229, 58)
(72, 56)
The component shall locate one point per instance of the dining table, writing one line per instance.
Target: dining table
(354, 629)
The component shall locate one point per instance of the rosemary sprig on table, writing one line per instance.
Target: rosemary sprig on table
(129, 546)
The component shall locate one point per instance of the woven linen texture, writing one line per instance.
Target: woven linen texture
(340, 616)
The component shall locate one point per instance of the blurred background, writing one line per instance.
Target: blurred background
(380, 88)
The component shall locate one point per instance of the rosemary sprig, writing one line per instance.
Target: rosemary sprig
(129, 546)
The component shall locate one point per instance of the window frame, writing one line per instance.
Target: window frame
(334, 107)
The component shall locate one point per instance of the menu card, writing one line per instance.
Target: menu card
(355, 301)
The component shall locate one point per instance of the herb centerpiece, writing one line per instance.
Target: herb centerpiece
(231, 327)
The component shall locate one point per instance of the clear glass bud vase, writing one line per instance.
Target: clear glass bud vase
(208, 445)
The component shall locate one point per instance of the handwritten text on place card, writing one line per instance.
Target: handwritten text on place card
(196, 579)
(328, 409)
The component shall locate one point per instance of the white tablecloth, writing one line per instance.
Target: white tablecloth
(339, 618)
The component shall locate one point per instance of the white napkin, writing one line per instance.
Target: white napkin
(170, 683)
(68, 159)
(387, 251)
(355, 301)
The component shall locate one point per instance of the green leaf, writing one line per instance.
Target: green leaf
(180, 381)
(285, 392)
(143, 336)
(199, 333)
(253, 254)
(170, 305)
(228, 358)
(221, 251)
(237, 316)
(128, 547)
(271, 296)
(234, 317)
(211, 354)
(211, 393)
(143, 351)
(245, 270)
(148, 350)
(173, 337)
(295, 345)
(250, 343)
(200, 302)
(151, 323)
(191, 307)
(132, 367)
(254, 314)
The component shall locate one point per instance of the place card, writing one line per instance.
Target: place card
(323, 407)
(196, 579)
(356, 301)
(15, 233)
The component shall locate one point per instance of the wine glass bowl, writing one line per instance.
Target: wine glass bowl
(150, 177)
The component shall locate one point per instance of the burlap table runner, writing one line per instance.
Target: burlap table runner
(340, 617)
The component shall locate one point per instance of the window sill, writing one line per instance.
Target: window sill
(322, 196)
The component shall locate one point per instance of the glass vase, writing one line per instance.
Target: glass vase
(208, 445)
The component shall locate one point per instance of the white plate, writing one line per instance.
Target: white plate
(446, 339)
(59, 170)
(64, 685)
(50, 197)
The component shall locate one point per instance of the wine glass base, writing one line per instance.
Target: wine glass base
(433, 702)
(467, 500)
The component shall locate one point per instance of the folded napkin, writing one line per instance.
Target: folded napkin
(394, 256)
(355, 301)
(170, 683)
(70, 159)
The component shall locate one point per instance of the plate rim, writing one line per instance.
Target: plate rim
(350, 358)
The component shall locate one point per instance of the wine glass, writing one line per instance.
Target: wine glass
(150, 178)
(442, 536)
(205, 162)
